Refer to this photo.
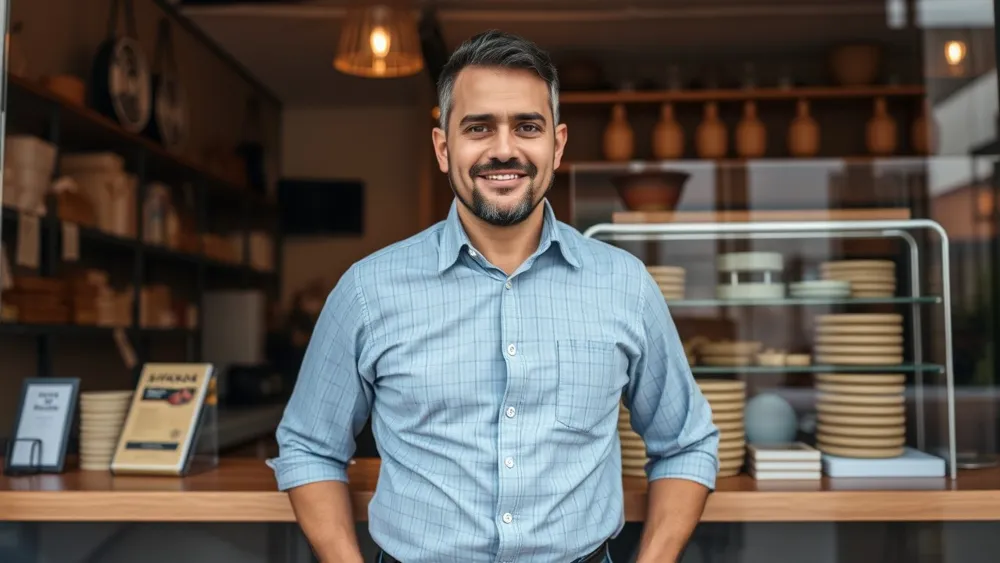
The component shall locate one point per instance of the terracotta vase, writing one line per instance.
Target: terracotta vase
(711, 134)
(803, 134)
(923, 132)
(668, 136)
(619, 140)
(881, 130)
(751, 136)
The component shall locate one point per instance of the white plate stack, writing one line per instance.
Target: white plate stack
(868, 278)
(633, 448)
(670, 279)
(102, 415)
(795, 461)
(861, 415)
(820, 289)
(727, 397)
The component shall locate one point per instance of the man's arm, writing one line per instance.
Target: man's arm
(674, 419)
(672, 512)
(328, 407)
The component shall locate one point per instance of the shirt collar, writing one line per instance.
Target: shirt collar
(455, 240)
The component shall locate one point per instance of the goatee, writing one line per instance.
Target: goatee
(493, 214)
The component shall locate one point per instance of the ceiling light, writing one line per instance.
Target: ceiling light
(379, 42)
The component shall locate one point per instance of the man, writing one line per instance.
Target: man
(491, 351)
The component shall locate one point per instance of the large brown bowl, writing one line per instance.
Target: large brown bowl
(658, 190)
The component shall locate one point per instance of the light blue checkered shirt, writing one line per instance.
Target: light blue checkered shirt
(494, 398)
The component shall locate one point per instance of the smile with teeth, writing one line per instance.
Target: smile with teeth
(502, 176)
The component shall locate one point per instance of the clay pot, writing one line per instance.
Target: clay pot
(712, 138)
(881, 130)
(803, 134)
(751, 136)
(619, 141)
(668, 136)
(651, 191)
(856, 64)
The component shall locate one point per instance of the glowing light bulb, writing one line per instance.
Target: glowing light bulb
(954, 52)
(379, 41)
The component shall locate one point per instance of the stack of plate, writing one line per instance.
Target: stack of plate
(859, 339)
(633, 448)
(738, 268)
(861, 415)
(102, 415)
(670, 279)
(729, 353)
(868, 278)
(727, 397)
(820, 289)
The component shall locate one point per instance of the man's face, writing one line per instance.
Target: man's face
(502, 146)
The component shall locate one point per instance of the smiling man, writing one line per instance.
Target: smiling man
(491, 352)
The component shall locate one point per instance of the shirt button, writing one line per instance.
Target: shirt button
(510, 412)
(508, 518)
(509, 462)
(508, 285)
(511, 349)
(472, 253)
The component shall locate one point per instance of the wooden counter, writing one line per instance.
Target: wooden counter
(244, 490)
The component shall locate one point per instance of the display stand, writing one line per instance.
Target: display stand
(33, 468)
(898, 229)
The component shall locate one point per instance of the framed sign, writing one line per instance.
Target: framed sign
(162, 425)
(42, 426)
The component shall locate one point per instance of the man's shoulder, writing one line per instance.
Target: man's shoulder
(417, 250)
(600, 255)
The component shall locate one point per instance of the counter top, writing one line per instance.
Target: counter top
(244, 490)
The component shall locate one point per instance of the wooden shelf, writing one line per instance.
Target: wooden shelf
(656, 217)
(737, 95)
(83, 128)
(244, 490)
(636, 166)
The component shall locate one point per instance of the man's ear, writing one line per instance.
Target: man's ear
(440, 140)
(562, 135)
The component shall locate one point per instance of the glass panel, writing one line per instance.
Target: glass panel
(825, 116)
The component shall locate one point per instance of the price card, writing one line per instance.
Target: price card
(28, 241)
(70, 242)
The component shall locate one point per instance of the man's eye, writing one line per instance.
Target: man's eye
(477, 129)
(530, 128)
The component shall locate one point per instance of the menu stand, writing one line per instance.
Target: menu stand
(35, 465)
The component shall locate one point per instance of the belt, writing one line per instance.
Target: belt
(596, 556)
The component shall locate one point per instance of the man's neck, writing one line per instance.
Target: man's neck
(505, 247)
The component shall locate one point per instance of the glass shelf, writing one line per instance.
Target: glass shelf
(816, 368)
(930, 299)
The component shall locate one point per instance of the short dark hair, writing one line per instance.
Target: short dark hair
(497, 49)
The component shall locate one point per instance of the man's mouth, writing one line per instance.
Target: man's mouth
(503, 176)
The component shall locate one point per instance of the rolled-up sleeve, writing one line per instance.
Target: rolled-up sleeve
(333, 394)
(666, 405)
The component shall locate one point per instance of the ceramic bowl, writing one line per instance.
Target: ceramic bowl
(651, 191)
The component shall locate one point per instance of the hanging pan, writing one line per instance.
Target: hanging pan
(120, 86)
(169, 124)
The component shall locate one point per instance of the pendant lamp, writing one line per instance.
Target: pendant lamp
(379, 42)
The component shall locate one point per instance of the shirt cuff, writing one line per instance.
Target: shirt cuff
(291, 472)
(698, 466)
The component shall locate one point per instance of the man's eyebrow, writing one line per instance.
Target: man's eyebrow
(480, 117)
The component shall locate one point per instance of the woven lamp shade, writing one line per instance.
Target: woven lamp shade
(379, 42)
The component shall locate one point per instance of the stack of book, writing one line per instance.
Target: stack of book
(786, 461)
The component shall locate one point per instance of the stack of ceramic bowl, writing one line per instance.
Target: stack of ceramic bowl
(820, 289)
(670, 279)
(727, 397)
(725, 353)
(861, 415)
(633, 448)
(102, 415)
(750, 275)
(868, 278)
(859, 339)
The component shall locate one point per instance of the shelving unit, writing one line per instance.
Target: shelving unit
(738, 94)
(904, 230)
(34, 110)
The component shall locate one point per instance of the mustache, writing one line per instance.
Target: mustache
(495, 165)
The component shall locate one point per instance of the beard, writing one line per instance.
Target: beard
(492, 213)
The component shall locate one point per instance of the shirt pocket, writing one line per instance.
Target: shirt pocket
(591, 375)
